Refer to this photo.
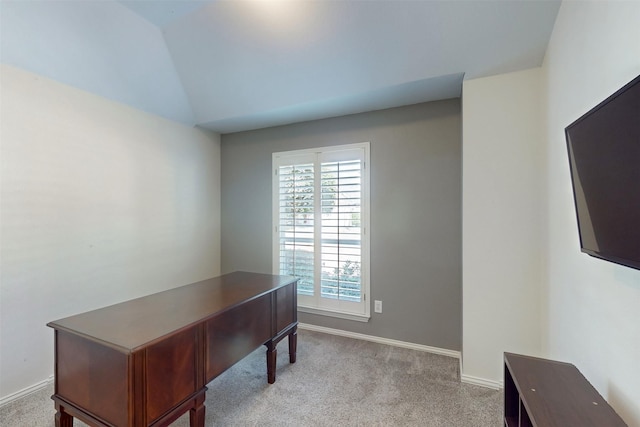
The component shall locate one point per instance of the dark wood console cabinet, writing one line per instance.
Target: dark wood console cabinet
(545, 393)
(147, 361)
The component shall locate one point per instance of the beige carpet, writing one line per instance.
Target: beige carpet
(336, 381)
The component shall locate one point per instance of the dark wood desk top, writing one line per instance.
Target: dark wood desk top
(133, 324)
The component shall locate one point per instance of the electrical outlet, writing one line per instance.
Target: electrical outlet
(377, 306)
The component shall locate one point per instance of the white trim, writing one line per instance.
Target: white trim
(495, 385)
(26, 391)
(467, 379)
(350, 310)
(379, 340)
(333, 313)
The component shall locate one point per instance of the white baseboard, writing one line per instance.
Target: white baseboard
(26, 391)
(379, 340)
(469, 379)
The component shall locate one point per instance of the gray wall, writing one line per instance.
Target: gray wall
(416, 232)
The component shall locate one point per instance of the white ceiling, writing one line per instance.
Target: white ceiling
(237, 65)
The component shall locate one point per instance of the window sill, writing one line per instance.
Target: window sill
(333, 313)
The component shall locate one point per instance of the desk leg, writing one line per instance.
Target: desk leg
(196, 414)
(62, 418)
(293, 344)
(272, 355)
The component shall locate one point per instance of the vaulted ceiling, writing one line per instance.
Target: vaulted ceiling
(237, 65)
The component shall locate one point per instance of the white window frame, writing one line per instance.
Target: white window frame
(317, 305)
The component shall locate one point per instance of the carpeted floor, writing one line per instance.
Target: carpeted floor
(336, 381)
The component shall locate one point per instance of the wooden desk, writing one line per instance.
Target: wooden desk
(147, 361)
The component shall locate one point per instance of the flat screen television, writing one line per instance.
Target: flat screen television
(604, 158)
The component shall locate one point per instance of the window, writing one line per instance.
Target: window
(320, 234)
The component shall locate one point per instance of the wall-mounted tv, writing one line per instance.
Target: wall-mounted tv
(604, 157)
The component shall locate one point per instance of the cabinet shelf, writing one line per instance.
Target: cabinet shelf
(540, 392)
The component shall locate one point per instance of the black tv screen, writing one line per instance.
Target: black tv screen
(604, 157)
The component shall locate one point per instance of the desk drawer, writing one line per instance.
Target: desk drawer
(234, 334)
(93, 376)
(170, 372)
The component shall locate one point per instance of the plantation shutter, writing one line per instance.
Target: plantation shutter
(320, 217)
(296, 212)
(341, 201)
